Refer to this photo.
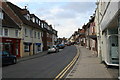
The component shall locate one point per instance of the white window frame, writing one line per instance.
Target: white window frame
(33, 19)
(38, 35)
(25, 32)
(1, 31)
(17, 34)
(1, 15)
(31, 33)
(35, 35)
(26, 49)
(38, 48)
(7, 32)
(39, 22)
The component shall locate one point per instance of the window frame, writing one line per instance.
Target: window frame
(17, 33)
(1, 15)
(26, 48)
(7, 32)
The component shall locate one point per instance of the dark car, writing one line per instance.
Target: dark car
(61, 46)
(8, 58)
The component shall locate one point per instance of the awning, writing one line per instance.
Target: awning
(38, 43)
(27, 43)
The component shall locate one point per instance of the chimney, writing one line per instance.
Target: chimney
(25, 7)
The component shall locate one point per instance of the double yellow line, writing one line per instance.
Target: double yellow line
(64, 71)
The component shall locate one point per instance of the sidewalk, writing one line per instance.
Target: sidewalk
(32, 56)
(88, 66)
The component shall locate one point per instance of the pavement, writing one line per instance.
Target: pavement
(32, 56)
(90, 66)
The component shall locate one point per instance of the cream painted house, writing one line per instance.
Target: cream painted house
(30, 33)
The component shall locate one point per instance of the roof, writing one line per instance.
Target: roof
(8, 22)
(19, 12)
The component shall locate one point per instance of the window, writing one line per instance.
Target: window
(39, 48)
(1, 15)
(41, 34)
(33, 19)
(1, 31)
(27, 16)
(5, 32)
(26, 48)
(35, 34)
(42, 25)
(47, 34)
(25, 32)
(38, 35)
(31, 33)
(16, 33)
(39, 23)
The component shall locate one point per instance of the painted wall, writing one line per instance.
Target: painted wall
(11, 32)
(109, 14)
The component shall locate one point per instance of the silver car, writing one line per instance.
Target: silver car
(53, 49)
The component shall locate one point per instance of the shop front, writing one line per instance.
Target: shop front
(112, 57)
(37, 47)
(11, 45)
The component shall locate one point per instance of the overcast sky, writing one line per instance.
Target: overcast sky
(65, 16)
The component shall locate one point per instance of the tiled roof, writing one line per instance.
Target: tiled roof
(20, 14)
(8, 22)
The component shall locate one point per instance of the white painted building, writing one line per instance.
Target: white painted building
(107, 13)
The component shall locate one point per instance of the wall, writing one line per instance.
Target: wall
(109, 15)
(11, 32)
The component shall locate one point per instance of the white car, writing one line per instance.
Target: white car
(53, 49)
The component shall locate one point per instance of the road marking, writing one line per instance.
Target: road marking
(64, 71)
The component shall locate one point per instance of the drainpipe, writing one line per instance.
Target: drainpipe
(100, 52)
(119, 42)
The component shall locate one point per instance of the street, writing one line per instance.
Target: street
(47, 66)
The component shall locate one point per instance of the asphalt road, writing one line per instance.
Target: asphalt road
(48, 66)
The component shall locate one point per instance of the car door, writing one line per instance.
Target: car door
(6, 57)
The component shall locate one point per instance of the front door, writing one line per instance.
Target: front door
(114, 54)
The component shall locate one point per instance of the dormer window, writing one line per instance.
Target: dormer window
(33, 19)
(42, 25)
(1, 15)
(27, 17)
(39, 23)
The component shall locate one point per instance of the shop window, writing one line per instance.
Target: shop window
(26, 48)
(39, 48)
(5, 32)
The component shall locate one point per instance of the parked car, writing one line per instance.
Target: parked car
(8, 58)
(61, 46)
(53, 49)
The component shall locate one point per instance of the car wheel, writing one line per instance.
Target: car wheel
(14, 61)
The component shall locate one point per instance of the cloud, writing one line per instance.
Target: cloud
(66, 17)
(70, 16)
(80, 7)
(18, 1)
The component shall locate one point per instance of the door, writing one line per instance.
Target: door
(114, 54)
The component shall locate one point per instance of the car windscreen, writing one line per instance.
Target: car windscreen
(4, 53)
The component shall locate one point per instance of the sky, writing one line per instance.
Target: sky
(66, 16)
